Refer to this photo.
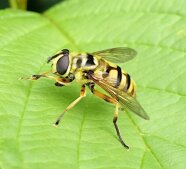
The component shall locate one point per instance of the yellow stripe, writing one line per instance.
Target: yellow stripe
(123, 82)
(131, 89)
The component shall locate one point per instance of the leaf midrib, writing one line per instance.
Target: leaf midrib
(63, 32)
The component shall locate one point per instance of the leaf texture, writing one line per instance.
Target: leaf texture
(86, 137)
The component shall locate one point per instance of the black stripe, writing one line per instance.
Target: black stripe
(91, 86)
(109, 68)
(90, 60)
(106, 73)
(119, 76)
(78, 63)
(127, 84)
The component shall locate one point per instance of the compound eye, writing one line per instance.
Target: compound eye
(62, 64)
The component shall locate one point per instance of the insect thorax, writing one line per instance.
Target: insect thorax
(80, 63)
(84, 61)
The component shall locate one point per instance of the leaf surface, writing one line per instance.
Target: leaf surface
(86, 137)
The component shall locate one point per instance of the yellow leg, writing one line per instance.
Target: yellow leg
(36, 77)
(101, 95)
(59, 80)
(82, 94)
(116, 126)
(113, 101)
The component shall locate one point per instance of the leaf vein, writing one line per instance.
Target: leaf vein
(21, 35)
(145, 142)
(79, 139)
(63, 32)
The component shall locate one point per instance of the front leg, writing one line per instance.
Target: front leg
(36, 77)
(59, 80)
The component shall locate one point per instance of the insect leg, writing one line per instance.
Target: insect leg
(116, 126)
(82, 94)
(113, 101)
(59, 81)
(101, 95)
(36, 77)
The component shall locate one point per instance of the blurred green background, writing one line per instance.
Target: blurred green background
(32, 5)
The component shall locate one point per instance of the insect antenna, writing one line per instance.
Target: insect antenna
(50, 58)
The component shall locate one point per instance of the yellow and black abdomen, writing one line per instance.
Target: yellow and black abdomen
(119, 79)
(127, 84)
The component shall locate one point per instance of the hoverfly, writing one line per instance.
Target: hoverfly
(97, 68)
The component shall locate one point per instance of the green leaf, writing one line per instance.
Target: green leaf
(86, 138)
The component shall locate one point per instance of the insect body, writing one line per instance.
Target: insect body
(97, 68)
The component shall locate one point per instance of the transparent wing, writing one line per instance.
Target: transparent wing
(125, 100)
(110, 80)
(117, 55)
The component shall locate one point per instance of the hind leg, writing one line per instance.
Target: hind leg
(113, 101)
